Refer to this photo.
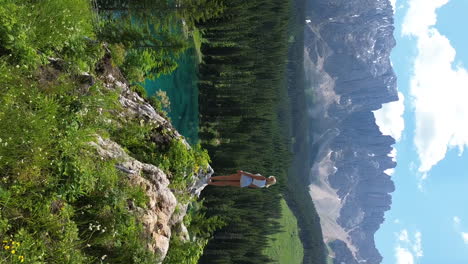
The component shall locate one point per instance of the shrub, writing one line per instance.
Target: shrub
(200, 228)
(178, 161)
(60, 201)
(139, 89)
(141, 64)
(32, 31)
(118, 54)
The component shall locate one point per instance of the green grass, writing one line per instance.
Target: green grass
(286, 247)
(54, 188)
(32, 31)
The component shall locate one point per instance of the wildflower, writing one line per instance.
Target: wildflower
(21, 258)
(7, 247)
(13, 251)
(103, 257)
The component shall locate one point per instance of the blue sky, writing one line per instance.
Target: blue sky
(428, 222)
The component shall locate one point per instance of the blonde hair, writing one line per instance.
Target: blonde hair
(270, 181)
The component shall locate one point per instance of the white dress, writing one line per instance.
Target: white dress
(246, 180)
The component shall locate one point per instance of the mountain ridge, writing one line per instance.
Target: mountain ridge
(347, 61)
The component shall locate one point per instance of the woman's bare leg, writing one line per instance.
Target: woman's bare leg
(225, 183)
(232, 177)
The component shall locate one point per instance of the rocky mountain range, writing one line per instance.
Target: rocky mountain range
(349, 74)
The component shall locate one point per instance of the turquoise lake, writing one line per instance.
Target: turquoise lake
(182, 90)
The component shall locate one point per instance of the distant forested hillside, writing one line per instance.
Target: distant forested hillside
(244, 117)
(297, 194)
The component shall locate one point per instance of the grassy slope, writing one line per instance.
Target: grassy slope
(59, 201)
(286, 247)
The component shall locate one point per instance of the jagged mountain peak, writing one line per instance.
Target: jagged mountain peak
(347, 47)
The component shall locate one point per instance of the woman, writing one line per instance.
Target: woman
(243, 179)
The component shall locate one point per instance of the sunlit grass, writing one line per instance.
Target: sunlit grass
(285, 246)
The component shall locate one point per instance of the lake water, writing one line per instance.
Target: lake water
(181, 88)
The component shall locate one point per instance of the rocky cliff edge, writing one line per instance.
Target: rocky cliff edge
(163, 214)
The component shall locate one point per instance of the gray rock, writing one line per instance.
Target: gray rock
(200, 181)
(162, 202)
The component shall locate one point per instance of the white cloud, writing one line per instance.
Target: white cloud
(420, 16)
(421, 178)
(393, 3)
(408, 250)
(417, 246)
(392, 153)
(465, 237)
(439, 89)
(403, 256)
(389, 118)
(403, 236)
(457, 225)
